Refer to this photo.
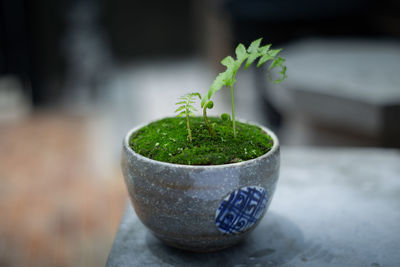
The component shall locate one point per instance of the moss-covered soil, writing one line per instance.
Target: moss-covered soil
(166, 140)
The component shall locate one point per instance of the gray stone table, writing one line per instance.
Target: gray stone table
(332, 207)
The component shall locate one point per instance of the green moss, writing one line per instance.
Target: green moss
(166, 140)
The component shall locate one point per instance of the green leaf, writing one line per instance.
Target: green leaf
(187, 108)
(250, 60)
(264, 59)
(277, 62)
(215, 86)
(274, 52)
(229, 75)
(240, 51)
(283, 73)
(190, 107)
(250, 55)
(264, 49)
(253, 48)
(191, 95)
(228, 61)
(180, 108)
(182, 114)
(255, 51)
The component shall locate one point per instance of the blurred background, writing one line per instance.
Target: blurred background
(75, 76)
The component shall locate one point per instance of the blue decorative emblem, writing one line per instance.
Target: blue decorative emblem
(241, 209)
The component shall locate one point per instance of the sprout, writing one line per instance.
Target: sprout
(228, 77)
(208, 105)
(186, 109)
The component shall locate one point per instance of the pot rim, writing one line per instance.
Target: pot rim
(272, 151)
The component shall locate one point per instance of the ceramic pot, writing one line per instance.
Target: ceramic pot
(200, 208)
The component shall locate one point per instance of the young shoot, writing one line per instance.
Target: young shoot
(208, 105)
(186, 109)
(225, 117)
(228, 77)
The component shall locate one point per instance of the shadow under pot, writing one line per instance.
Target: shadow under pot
(200, 208)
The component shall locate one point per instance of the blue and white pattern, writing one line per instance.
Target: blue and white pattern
(241, 209)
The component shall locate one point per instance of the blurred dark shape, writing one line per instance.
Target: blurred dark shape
(34, 35)
(391, 126)
(34, 46)
(282, 21)
(148, 29)
(88, 58)
(30, 40)
(14, 49)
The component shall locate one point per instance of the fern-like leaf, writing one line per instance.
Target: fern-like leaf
(252, 53)
(186, 109)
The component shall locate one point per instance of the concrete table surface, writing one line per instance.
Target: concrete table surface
(332, 207)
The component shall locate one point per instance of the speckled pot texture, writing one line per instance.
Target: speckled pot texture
(200, 208)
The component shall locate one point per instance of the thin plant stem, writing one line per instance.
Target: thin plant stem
(206, 119)
(233, 112)
(188, 126)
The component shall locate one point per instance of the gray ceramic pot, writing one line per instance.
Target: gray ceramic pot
(200, 208)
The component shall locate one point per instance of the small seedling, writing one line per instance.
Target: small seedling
(162, 140)
(228, 77)
(186, 109)
(208, 105)
(225, 117)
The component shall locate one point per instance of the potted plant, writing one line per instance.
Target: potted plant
(201, 183)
